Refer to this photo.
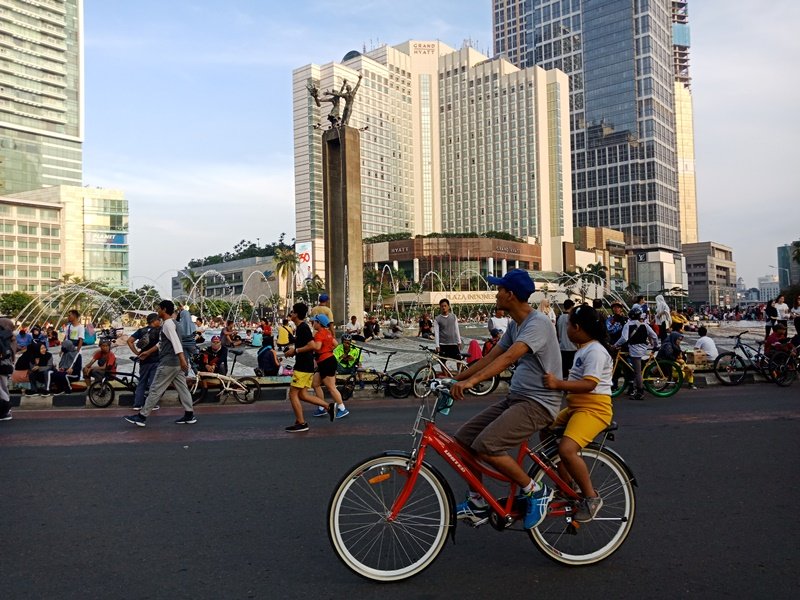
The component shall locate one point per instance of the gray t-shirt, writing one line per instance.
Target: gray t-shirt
(563, 338)
(536, 332)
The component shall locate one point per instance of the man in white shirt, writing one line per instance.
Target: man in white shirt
(706, 344)
(498, 321)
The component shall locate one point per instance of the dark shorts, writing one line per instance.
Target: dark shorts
(504, 425)
(450, 350)
(327, 368)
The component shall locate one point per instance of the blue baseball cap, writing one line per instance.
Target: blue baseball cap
(321, 319)
(516, 281)
(323, 297)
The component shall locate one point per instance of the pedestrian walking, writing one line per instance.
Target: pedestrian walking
(144, 344)
(445, 332)
(566, 346)
(324, 345)
(172, 369)
(8, 348)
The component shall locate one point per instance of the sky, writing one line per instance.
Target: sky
(188, 111)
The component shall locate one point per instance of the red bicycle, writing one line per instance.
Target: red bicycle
(390, 516)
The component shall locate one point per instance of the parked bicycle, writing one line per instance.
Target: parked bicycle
(436, 368)
(731, 367)
(398, 383)
(390, 516)
(101, 393)
(245, 390)
(661, 377)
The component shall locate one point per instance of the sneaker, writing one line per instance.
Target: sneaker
(587, 509)
(692, 386)
(638, 396)
(187, 419)
(361, 385)
(341, 413)
(297, 427)
(156, 407)
(537, 507)
(138, 408)
(320, 412)
(137, 419)
(469, 511)
(6, 417)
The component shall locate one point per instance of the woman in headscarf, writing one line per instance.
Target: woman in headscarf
(663, 317)
(544, 307)
(69, 368)
(41, 366)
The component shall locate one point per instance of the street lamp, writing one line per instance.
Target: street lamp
(647, 290)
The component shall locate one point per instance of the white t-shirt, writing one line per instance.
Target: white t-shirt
(75, 333)
(783, 311)
(500, 323)
(592, 360)
(707, 345)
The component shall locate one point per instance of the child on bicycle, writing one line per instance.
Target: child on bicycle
(588, 409)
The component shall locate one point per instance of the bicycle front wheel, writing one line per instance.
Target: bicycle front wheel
(100, 393)
(663, 378)
(362, 536)
(250, 394)
(422, 381)
(730, 368)
(400, 384)
(619, 382)
(577, 544)
(782, 369)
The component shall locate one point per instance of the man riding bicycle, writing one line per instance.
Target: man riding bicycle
(530, 342)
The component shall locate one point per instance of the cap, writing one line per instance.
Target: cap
(495, 332)
(516, 281)
(215, 338)
(152, 317)
(635, 313)
(323, 297)
(321, 319)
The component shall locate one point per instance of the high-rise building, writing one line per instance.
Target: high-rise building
(788, 268)
(768, 287)
(41, 94)
(451, 141)
(684, 123)
(48, 233)
(712, 274)
(619, 55)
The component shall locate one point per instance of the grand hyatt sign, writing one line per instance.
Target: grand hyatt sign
(428, 48)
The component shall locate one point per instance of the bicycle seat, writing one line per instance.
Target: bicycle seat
(559, 431)
(235, 352)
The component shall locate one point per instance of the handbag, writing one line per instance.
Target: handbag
(20, 376)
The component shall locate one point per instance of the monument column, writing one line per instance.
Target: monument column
(341, 194)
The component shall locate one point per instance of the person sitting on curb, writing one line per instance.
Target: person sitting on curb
(40, 370)
(106, 363)
(348, 359)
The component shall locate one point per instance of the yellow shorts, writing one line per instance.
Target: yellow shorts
(585, 416)
(301, 380)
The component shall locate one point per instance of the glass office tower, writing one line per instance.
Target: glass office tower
(41, 94)
(619, 57)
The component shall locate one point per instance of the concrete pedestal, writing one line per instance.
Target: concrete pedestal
(341, 193)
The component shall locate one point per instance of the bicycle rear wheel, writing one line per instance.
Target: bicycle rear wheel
(730, 368)
(100, 393)
(399, 384)
(576, 544)
(663, 378)
(363, 538)
(252, 393)
(484, 387)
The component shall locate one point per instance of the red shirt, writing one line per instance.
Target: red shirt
(109, 361)
(325, 337)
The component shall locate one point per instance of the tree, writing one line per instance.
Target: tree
(371, 283)
(14, 302)
(286, 263)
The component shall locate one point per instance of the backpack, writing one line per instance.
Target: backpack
(148, 338)
(639, 335)
(6, 351)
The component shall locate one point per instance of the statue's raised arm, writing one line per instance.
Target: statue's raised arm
(349, 96)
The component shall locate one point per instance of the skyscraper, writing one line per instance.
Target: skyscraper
(41, 94)
(619, 56)
(451, 141)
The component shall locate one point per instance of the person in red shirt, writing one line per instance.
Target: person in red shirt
(324, 343)
(105, 361)
(776, 341)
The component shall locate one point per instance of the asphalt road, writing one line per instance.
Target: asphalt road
(233, 507)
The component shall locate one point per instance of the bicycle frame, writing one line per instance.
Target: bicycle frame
(464, 463)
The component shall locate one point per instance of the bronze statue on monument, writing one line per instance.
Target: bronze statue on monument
(346, 93)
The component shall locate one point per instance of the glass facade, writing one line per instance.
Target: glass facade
(618, 55)
(105, 250)
(40, 94)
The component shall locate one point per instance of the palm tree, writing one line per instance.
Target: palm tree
(286, 263)
(371, 281)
